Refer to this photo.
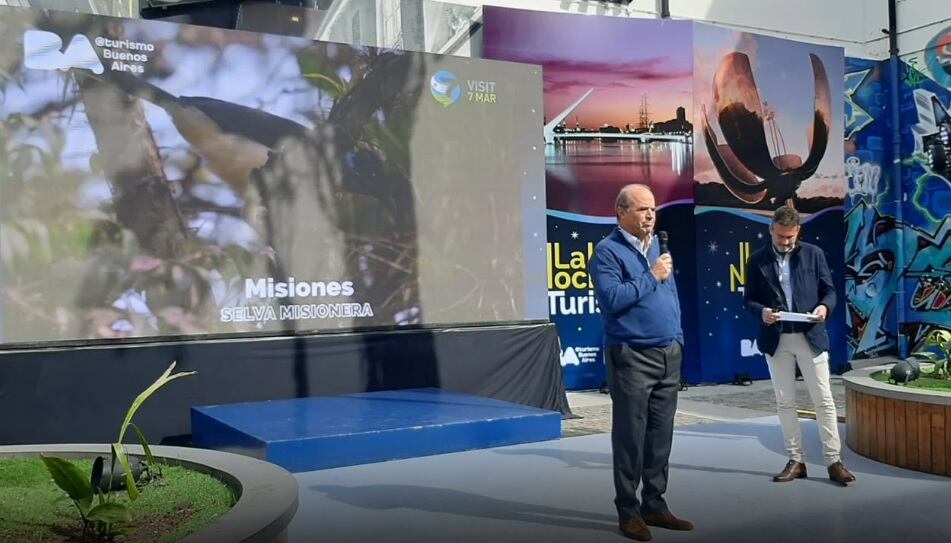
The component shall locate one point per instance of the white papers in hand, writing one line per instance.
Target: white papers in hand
(796, 317)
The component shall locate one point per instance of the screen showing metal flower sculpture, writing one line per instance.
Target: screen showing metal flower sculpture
(768, 131)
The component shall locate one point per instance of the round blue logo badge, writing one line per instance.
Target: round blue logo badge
(445, 88)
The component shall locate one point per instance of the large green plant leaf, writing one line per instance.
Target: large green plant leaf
(110, 513)
(149, 459)
(163, 380)
(940, 339)
(68, 477)
(118, 450)
(939, 336)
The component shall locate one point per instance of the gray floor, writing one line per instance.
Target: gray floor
(696, 405)
(561, 491)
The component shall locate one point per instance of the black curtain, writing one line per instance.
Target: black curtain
(81, 395)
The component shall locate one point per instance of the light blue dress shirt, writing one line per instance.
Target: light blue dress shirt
(785, 280)
(636, 243)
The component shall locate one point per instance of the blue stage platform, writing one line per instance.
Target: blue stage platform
(305, 434)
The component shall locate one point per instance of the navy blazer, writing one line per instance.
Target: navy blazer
(812, 287)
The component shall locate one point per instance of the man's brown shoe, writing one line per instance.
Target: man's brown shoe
(793, 470)
(839, 474)
(668, 520)
(634, 528)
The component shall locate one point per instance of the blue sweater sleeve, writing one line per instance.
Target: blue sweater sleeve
(673, 285)
(615, 294)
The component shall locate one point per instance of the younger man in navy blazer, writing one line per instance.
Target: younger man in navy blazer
(789, 275)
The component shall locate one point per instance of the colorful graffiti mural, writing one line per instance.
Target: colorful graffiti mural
(871, 230)
(897, 245)
(926, 181)
(871, 280)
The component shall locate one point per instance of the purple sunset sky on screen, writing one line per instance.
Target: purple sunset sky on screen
(621, 58)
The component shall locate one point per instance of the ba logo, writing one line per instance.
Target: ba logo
(570, 357)
(748, 348)
(43, 50)
(445, 88)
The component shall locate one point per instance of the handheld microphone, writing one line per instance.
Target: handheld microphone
(662, 238)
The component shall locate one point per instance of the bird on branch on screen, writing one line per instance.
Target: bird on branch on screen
(241, 144)
(234, 140)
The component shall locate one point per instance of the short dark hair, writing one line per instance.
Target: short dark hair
(786, 216)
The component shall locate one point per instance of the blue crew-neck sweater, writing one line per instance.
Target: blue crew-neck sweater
(636, 309)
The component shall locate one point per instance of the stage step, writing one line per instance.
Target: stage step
(306, 434)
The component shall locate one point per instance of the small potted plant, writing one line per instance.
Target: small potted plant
(92, 494)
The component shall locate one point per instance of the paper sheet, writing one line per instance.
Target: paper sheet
(796, 317)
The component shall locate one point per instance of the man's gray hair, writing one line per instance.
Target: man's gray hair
(623, 201)
(786, 216)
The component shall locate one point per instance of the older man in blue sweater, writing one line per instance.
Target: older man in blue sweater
(643, 347)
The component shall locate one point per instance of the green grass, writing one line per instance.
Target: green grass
(925, 382)
(34, 509)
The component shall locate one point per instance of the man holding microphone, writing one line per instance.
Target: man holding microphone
(643, 348)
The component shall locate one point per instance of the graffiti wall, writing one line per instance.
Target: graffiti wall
(897, 249)
(872, 232)
(925, 124)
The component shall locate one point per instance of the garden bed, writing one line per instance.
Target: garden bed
(925, 382)
(898, 425)
(266, 494)
(181, 502)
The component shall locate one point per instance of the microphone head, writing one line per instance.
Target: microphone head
(662, 238)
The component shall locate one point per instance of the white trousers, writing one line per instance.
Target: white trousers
(794, 349)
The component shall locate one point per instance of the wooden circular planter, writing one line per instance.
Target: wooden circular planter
(904, 427)
(267, 494)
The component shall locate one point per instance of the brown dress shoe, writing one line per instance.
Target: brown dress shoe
(839, 474)
(634, 528)
(793, 470)
(669, 521)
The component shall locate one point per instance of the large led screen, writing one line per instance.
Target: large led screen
(163, 180)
